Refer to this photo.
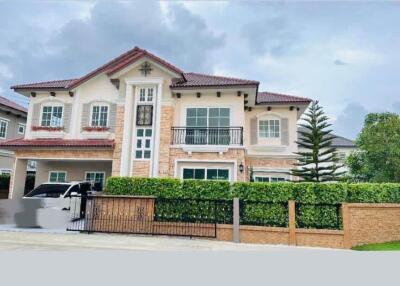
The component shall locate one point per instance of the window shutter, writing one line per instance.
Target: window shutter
(36, 112)
(253, 131)
(284, 131)
(113, 116)
(67, 116)
(85, 115)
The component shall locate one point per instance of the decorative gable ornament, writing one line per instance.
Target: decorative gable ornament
(145, 68)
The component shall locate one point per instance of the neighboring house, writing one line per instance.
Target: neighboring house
(12, 126)
(344, 147)
(139, 115)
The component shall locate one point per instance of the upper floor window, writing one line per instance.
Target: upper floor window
(21, 128)
(208, 117)
(144, 115)
(99, 116)
(143, 143)
(269, 128)
(146, 94)
(3, 128)
(52, 116)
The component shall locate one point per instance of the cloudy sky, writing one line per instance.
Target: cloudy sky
(346, 55)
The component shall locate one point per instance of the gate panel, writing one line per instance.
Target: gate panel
(149, 215)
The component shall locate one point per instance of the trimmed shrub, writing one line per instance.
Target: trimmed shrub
(316, 202)
(4, 181)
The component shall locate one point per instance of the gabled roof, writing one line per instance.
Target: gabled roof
(265, 97)
(191, 79)
(109, 68)
(10, 104)
(82, 143)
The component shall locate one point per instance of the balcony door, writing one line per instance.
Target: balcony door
(207, 126)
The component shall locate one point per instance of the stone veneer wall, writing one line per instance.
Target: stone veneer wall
(141, 168)
(119, 133)
(167, 113)
(370, 223)
(269, 162)
(231, 154)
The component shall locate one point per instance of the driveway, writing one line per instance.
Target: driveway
(31, 239)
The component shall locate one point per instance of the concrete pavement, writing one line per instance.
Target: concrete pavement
(37, 239)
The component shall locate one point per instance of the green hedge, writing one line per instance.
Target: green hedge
(309, 197)
(4, 182)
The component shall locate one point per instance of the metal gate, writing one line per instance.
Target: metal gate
(149, 215)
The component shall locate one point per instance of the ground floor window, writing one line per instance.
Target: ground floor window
(203, 173)
(265, 179)
(95, 177)
(57, 176)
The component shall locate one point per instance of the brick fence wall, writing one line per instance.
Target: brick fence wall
(370, 223)
(362, 224)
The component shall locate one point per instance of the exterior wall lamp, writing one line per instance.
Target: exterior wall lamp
(241, 167)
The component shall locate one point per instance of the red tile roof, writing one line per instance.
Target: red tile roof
(110, 68)
(202, 80)
(10, 104)
(270, 97)
(54, 84)
(82, 143)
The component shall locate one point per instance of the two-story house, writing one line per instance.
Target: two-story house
(12, 126)
(139, 115)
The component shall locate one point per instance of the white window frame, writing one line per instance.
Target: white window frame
(269, 128)
(135, 137)
(23, 126)
(5, 171)
(91, 113)
(52, 105)
(96, 172)
(143, 138)
(146, 95)
(6, 121)
(205, 172)
(270, 177)
(57, 171)
(208, 114)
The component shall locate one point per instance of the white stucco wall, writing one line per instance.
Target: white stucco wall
(272, 146)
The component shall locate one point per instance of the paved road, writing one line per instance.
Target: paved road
(59, 240)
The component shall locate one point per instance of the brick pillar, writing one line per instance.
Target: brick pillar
(346, 226)
(167, 115)
(292, 222)
(17, 179)
(119, 132)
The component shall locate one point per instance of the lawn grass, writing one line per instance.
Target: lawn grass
(387, 246)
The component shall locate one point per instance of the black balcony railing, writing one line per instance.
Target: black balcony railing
(207, 136)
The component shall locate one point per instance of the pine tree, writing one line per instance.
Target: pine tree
(319, 161)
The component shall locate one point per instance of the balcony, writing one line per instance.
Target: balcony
(225, 136)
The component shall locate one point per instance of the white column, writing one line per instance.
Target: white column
(157, 130)
(126, 140)
(75, 117)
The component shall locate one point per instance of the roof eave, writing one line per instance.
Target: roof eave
(212, 86)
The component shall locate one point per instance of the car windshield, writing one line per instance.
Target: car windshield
(49, 191)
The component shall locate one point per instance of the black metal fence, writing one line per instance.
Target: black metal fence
(207, 135)
(190, 217)
(177, 217)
